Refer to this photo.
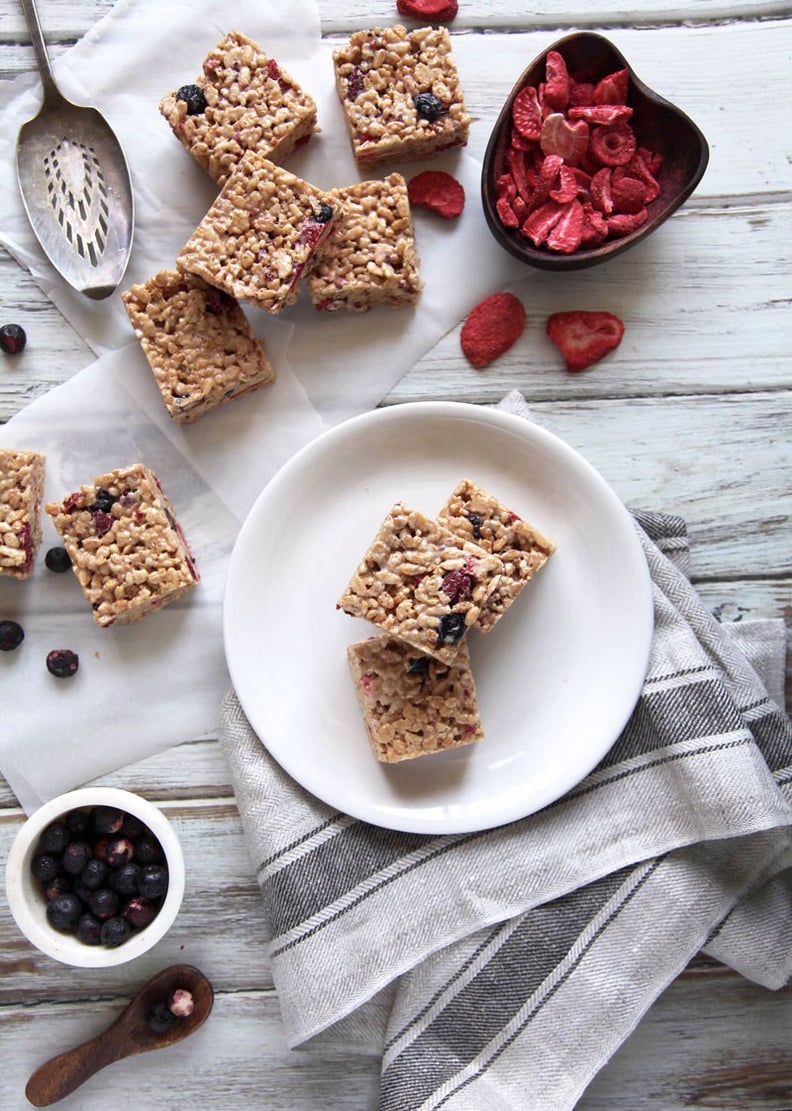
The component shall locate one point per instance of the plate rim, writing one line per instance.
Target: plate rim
(526, 428)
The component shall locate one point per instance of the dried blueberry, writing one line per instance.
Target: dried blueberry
(160, 1017)
(79, 822)
(452, 628)
(120, 851)
(89, 930)
(115, 931)
(132, 826)
(153, 881)
(107, 819)
(418, 666)
(140, 911)
(75, 856)
(45, 867)
(193, 97)
(55, 838)
(62, 663)
(428, 107)
(103, 502)
(148, 850)
(94, 873)
(475, 523)
(355, 83)
(59, 886)
(104, 904)
(12, 338)
(125, 880)
(57, 560)
(63, 912)
(325, 214)
(11, 635)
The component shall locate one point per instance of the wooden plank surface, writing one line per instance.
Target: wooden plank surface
(690, 415)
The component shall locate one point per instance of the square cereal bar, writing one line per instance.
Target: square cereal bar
(21, 491)
(420, 582)
(369, 258)
(412, 704)
(242, 101)
(259, 235)
(126, 547)
(475, 515)
(401, 94)
(199, 344)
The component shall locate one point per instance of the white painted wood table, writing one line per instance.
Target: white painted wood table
(691, 415)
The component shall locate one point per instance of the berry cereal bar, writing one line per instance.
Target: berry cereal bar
(475, 515)
(260, 234)
(21, 491)
(401, 94)
(242, 101)
(369, 258)
(126, 547)
(420, 582)
(199, 343)
(412, 704)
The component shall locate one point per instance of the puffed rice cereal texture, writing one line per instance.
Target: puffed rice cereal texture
(412, 704)
(379, 74)
(251, 104)
(477, 516)
(127, 549)
(421, 583)
(260, 234)
(21, 493)
(369, 258)
(198, 342)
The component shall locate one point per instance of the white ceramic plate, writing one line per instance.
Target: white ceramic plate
(556, 679)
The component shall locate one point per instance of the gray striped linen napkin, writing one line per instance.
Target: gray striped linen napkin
(503, 968)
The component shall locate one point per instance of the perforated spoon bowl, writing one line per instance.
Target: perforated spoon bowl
(75, 184)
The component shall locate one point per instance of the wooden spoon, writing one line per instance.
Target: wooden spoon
(128, 1035)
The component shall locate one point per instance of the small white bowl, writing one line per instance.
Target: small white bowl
(29, 906)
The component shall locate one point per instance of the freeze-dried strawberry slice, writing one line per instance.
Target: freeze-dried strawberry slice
(437, 191)
(541, 222)
(548, 172)
(612, 89)
(601, 196)
(584, 337)
(601, 113)
(637, 167)
(517, 162)
(614, 145)
(440, 11)
(519, 142)
(568, 140)
(567, 188)
(506, 213)
(556, 89)
(567, 234)
(505, 187)
(493, 326)
(527, 114)
(595, 227)
(653, 160)
(623, 223)
(629, 194)
(580, 92)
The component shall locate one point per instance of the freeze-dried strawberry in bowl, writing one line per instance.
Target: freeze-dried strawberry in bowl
(585, 160)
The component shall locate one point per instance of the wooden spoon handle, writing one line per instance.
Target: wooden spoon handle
(61, 1075)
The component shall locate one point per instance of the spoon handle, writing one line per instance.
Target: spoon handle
(61, 1075)
(51, 91)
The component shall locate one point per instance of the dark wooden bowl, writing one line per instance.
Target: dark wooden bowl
(658, 125)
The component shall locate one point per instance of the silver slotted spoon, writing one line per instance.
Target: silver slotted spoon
(75, 184)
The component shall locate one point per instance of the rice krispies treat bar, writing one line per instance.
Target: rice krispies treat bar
(250, 104)
(413, 705)
(379, 76)
(421, 583)
(259, 235)
(198, 342)
(475, 515)
(21, 491)
(370, 257)
(126, 546)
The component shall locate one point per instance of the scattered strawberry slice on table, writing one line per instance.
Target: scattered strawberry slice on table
(494, 325)
(437, 191)
(584, 337)
(440, 11)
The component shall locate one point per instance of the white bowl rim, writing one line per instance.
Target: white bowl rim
(65, 947)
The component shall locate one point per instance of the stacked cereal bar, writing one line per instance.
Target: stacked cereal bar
(413, 704)
(260, 234)
(369, 258)
(476, 516)
(242, 101)
(199, 344)
(421, 583)
(401, 94)
(21, 491)
(126, 547)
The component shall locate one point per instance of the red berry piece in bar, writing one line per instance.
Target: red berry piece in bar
(493, 326)
(432, 11)
(437, 191)
(583, 337)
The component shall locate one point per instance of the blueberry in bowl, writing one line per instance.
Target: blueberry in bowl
(75, 887)
(585, 160)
